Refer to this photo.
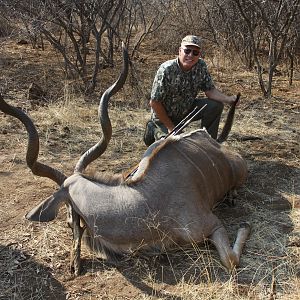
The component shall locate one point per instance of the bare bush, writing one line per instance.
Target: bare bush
(259, 33)
(86, 33)
(6, 27)
(269, 25)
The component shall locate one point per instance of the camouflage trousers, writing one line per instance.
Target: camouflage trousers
(210, 118)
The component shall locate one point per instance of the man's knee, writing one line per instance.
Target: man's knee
(220, 107)
(216, 106)
(212, 107)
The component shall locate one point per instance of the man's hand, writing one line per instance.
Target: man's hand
(231, 99)
(237, 99)
(161, 114)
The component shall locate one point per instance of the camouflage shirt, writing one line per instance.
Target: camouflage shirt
(177, 89)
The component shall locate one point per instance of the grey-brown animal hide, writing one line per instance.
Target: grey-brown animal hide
(170, 202)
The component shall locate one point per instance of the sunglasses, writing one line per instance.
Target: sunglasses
(187, 51)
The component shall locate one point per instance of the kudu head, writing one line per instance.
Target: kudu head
(90, 155)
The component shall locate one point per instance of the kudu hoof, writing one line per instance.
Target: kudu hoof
(75, 269)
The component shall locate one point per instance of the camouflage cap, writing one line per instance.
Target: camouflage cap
(191, 40)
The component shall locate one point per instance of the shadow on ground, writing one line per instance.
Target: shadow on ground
(23, 278)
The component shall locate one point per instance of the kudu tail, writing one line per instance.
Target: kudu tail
(99, 148)
(32, 153)
(229, 121)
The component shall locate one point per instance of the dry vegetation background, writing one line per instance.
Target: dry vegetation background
(34, 257)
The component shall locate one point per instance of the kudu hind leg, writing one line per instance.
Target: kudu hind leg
(230, 257)
(75, 263)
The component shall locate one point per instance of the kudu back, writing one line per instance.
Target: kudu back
(169, 200)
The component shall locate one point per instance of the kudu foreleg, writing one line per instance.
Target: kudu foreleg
(230, 257)
(75, 263)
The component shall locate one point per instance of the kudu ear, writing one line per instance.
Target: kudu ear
(47, 210)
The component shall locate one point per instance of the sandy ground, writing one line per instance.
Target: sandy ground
(35, 257)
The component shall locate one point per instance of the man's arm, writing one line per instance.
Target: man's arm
(215, 94)
(162, 114)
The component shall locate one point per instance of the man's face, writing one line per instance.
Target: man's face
(188, 57)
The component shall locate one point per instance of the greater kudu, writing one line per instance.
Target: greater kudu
(168, 201)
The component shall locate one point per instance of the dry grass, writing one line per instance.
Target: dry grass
(34, 257)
